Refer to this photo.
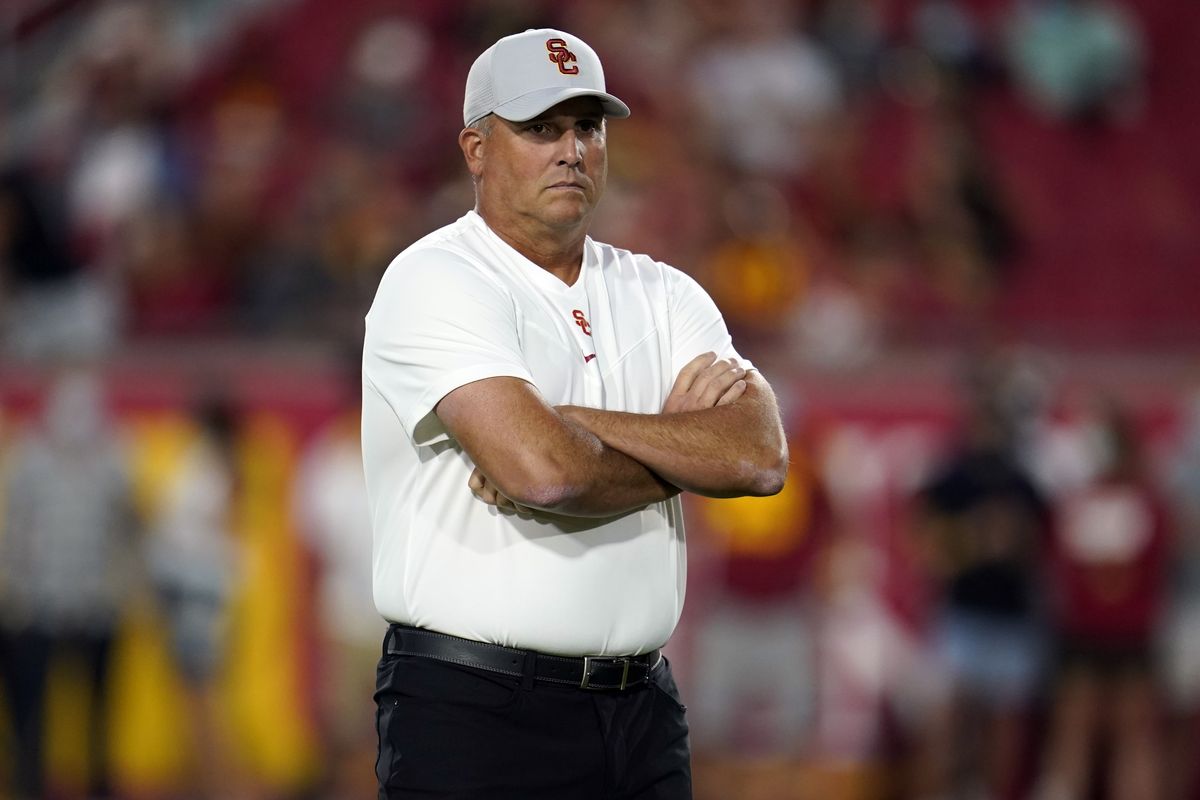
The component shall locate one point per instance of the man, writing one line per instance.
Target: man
(534, 401)
(68, 531)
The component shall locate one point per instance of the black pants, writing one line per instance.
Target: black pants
(25, 661)
(24, 664)
(447, 731)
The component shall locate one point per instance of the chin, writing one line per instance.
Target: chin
(566, 215)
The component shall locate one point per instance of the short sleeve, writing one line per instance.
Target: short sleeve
(438, 322)
(696, 324)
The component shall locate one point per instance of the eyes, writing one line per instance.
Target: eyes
(585, 126)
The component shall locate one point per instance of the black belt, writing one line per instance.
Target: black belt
(588, 672)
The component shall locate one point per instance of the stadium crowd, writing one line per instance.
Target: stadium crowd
(979, 577)
(205, 169)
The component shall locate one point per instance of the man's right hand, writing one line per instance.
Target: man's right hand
(705, 382)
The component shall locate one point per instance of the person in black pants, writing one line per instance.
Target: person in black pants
(533, 404)
(68, 537)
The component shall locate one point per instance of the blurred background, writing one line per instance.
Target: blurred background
(960, 237)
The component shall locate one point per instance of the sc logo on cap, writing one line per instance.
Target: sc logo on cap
(560, 55)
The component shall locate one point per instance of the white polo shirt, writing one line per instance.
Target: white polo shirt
(461, 305)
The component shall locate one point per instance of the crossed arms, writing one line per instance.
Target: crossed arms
(719, 434)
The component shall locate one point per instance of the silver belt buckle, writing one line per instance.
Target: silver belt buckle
(590, 661)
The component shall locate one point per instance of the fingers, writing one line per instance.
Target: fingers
(693, 368)
(712, 384)
(685, 379)
(707, 384)
(485, 491)
(733, 392)
(479, 487)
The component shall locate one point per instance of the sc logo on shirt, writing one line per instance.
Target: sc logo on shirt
(582, 322)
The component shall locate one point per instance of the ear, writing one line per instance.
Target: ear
(472, 143)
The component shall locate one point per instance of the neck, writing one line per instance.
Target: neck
(558, 251)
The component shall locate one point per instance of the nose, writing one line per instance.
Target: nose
(570, 149)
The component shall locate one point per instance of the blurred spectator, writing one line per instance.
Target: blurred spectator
(764, 90)
(875, 679)
(247, 174)
(195, 564)
(364, 216)
(875, 676)
(48, 307)
(381, 99)
(169, 289)
(1109, 559)
(759, 273)
(330, 505)
(840, 323)
(754, 654)
(1077, 60)
(66, 569)
(119, 81)
(120, 160)
(964, 231)
(982, 525)
(104, 133)
(1181, 633)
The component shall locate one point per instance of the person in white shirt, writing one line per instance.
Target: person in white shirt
(533, 403)
(330, 511)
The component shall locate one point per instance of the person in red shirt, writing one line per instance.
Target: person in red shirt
(1108, 558)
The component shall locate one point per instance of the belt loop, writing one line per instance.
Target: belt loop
(387, 639)
(529, 670)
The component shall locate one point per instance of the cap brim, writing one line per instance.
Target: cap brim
(528, 106)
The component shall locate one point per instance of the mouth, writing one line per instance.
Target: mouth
(567, 185)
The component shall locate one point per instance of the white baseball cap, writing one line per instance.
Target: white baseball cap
(522, 75)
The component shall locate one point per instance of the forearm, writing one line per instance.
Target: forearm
(724, 451)
(538, 458)
(602, 481)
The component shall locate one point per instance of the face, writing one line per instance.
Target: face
(549, 171)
